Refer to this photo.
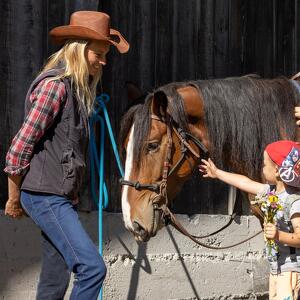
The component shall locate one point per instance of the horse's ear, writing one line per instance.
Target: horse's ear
(133, 91)
(159, 104)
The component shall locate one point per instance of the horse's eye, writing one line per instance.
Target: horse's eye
(152, 146)
(193, 120)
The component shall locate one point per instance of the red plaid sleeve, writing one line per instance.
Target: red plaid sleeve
(47, 99)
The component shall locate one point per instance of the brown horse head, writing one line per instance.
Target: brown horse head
(235, 118)
(161, 152)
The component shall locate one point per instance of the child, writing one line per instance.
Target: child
(281, 172)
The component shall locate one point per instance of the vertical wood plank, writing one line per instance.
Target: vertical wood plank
(235, 37)
(221, 38)
(285, 37)
(249, 36)
(206, 42)
(164, 46)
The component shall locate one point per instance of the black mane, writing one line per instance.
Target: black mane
(242, 114)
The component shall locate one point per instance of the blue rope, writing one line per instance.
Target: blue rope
(98, 160)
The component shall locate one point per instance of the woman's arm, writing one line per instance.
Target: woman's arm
(239, 181)
(47, 100)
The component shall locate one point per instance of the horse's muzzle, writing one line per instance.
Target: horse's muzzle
(144, 233)
(140, 233)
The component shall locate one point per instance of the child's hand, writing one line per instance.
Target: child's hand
(271, 231)
(208, 168)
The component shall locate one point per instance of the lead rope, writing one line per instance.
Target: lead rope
(102, 199)
(177, 225)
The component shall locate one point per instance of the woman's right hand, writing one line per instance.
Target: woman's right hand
(13, 206)
(208, 168)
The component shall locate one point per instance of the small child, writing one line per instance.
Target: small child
(281, 172)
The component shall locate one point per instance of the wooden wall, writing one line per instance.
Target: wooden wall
(171, 40)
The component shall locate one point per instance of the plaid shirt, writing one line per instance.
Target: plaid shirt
(47, 99)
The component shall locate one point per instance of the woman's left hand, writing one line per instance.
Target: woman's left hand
(271, 231)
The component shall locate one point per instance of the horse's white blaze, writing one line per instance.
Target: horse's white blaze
(128, 168)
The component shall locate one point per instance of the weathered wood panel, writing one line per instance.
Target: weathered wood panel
(171, 40)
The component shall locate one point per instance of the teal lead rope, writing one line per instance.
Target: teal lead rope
(100, 115)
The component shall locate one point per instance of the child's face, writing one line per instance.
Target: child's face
(270, 169)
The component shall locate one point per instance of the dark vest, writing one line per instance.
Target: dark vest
(59, 158)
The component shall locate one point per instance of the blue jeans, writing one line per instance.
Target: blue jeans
(60, 224)
(55, 275)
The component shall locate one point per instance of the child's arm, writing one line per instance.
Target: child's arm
(290, 239)
(239, 181)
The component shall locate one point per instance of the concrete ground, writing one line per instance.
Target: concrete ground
(169, 266)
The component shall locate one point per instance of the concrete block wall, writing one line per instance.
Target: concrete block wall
(169, 266)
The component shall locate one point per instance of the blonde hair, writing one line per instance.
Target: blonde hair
(72, 57)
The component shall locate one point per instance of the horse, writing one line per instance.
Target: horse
(164, 139)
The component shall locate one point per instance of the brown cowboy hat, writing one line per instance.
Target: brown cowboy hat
(89, 25)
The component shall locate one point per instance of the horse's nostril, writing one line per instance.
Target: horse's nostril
(136, 226)
(139, 229)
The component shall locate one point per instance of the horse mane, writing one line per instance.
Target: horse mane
(242, 115)
(126, 123)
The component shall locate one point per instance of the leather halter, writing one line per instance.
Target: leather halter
(161, 187)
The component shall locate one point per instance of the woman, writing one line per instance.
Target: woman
(47, 158)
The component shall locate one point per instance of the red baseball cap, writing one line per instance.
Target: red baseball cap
(286, 155)
(278, 151)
